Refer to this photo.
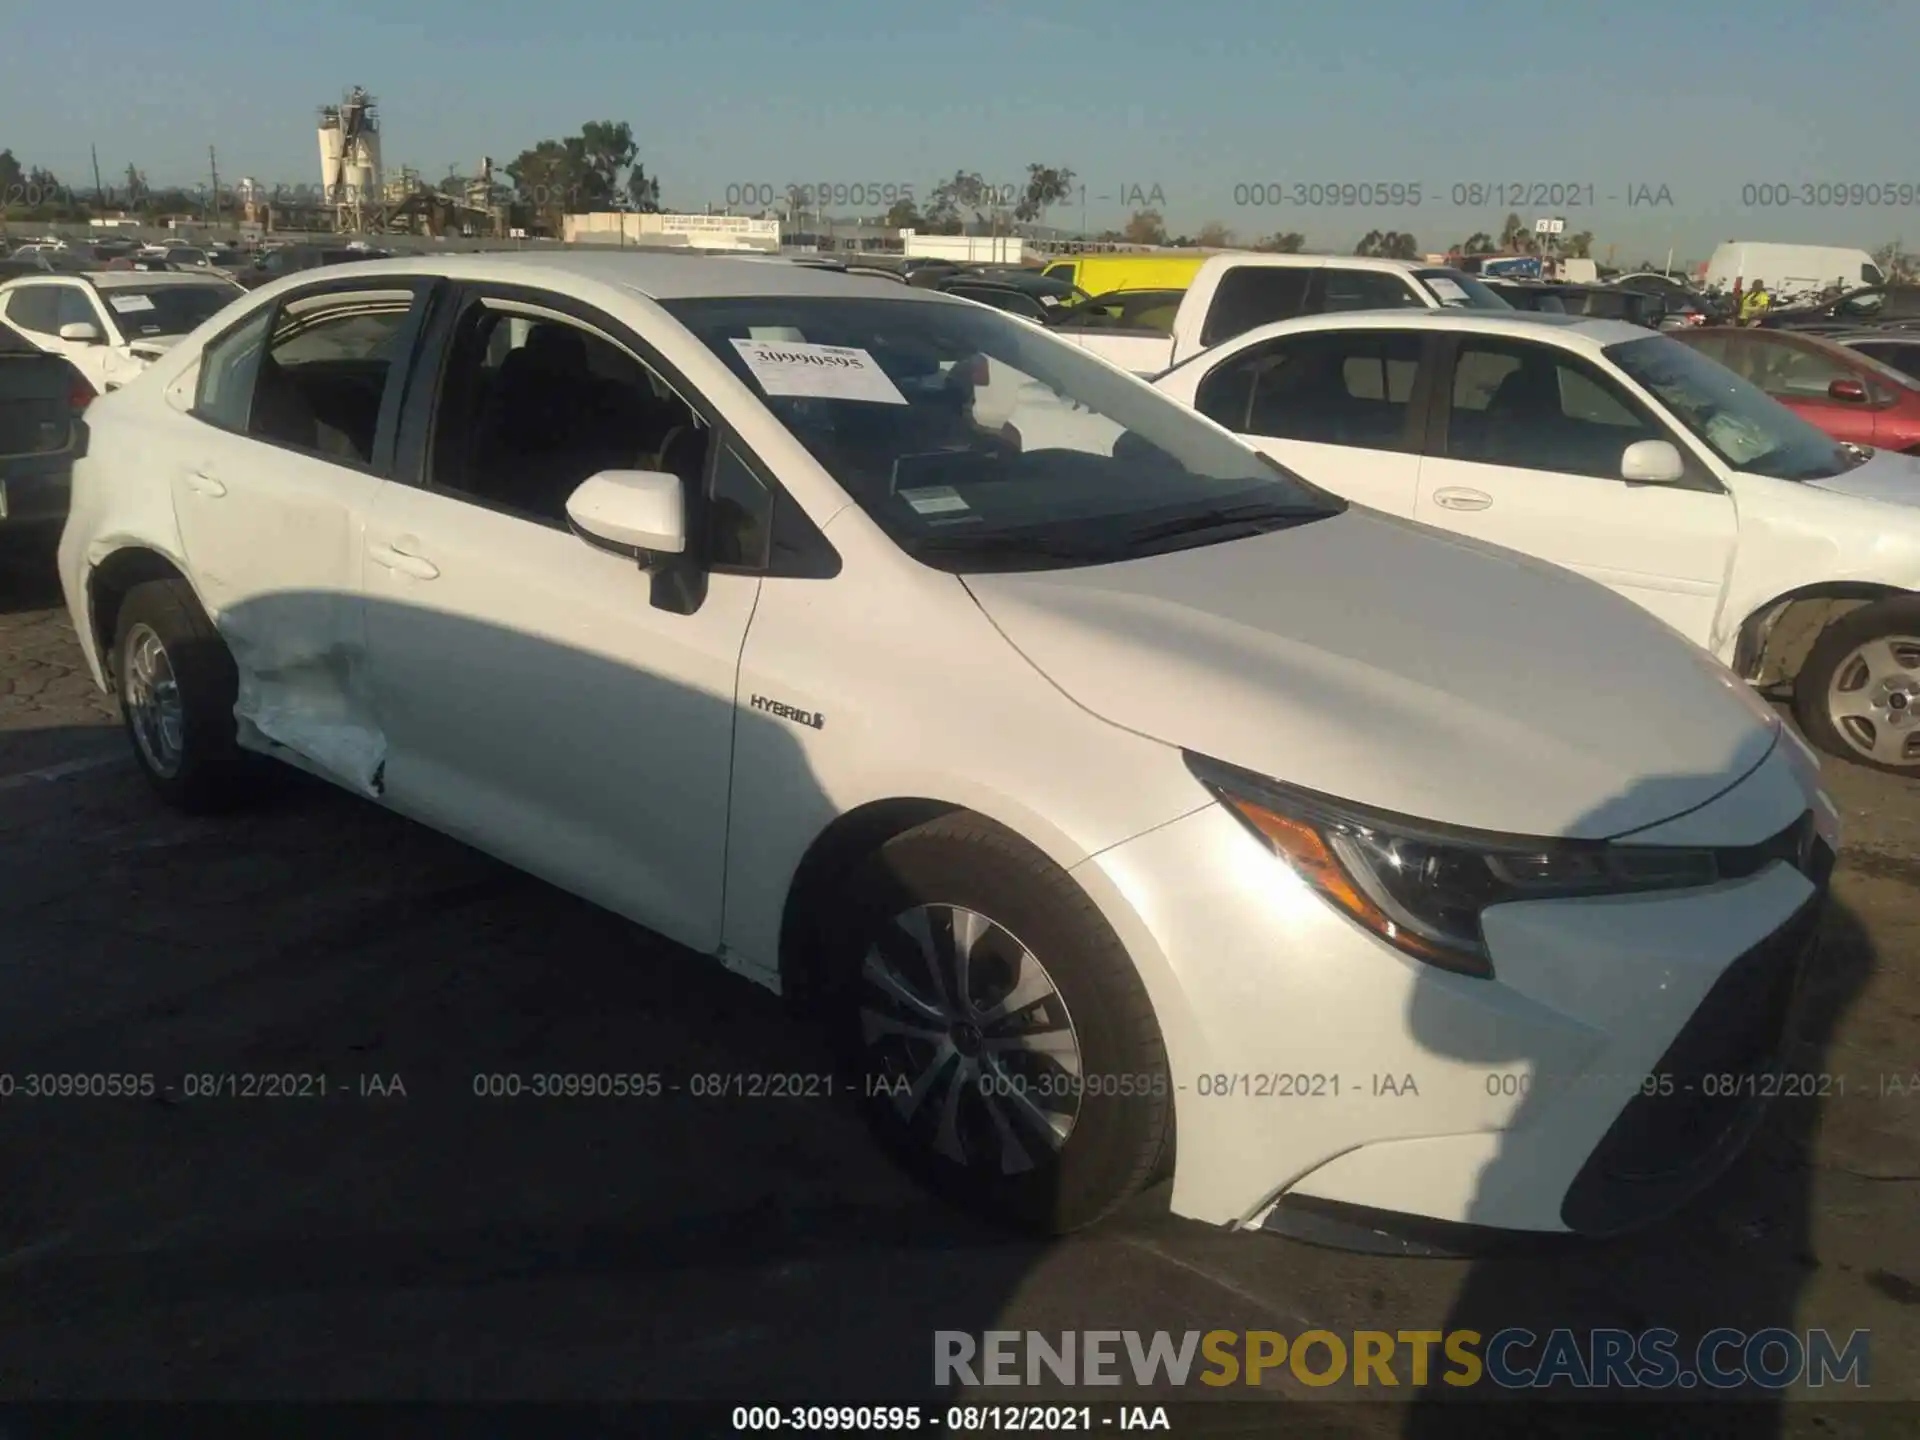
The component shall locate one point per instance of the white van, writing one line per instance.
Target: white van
(1785, 269)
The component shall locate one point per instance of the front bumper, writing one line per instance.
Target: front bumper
(1319, 1072)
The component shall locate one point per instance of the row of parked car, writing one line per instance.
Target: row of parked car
(1090, 757)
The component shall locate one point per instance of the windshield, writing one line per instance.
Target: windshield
(977, 442)
(1740, 423)
(1457, 290)
(142, 313)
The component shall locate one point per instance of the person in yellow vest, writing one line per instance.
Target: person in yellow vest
(1756, 305)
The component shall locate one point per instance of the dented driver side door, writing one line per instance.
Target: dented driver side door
(296, 408)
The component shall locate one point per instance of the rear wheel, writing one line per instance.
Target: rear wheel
(1858, 694)
(1000, 1039)
(177, 684)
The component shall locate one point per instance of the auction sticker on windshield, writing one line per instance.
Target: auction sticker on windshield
(822, 372)
(934, 499)
(130, 304)
(1448, 292)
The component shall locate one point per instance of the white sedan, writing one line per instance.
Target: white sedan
(1627, 457)
(1091, 783)
(110, 324)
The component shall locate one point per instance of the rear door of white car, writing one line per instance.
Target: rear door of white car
(1340, 407)
(542, 698)
(273, 477)
(1524, 450)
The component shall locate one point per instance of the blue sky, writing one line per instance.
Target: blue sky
(1195, 98)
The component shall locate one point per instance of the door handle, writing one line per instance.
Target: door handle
(1456, 497)
(202, 483)
(398, 557)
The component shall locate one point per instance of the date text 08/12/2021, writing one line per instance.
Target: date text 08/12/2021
(211, 1084)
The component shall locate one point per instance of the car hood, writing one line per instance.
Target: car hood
(1377, 661)
(1887, 475)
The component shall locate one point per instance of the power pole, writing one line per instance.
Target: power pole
(99, 190)
(214, 166)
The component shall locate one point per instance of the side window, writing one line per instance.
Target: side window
(74, 306)
(1365, 290)
(1788, 372)
(740, 515)
(224, 394)
(1350, 388)
(1863, 305)
(530, 406)
(1255, 295)
(1150, 313)
(322, 380)
(361, 336)
(1904, 358)
(1532, 408)
(33, 307)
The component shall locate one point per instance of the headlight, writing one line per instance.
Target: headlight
(1422, 887)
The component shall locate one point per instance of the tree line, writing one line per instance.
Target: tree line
(598, 168)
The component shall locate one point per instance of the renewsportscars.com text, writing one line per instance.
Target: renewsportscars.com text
(1512, 1359)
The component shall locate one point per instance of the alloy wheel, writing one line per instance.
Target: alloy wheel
(151, 695)
(1874, 700)
(968, 1038)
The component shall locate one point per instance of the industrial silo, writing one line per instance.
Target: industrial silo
(350, 152)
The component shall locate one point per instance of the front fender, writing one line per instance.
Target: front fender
(1798, 541)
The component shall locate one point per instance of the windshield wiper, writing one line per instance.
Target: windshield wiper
(1255, 518)
(986, 543)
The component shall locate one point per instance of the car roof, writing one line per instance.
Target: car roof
(117, 279)
(147, 279)
(1794, 334)
(1573, 331)
(1345, 262)
(661, 276)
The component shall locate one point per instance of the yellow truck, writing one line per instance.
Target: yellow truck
(1102, 274)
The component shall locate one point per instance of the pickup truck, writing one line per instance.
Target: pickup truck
(41, 397)
(1232, 294)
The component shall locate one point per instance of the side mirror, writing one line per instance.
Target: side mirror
(1851, 392)
(83, 332)
(642, 513)
(1652, 462)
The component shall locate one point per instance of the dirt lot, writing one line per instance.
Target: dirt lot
(432, 1244)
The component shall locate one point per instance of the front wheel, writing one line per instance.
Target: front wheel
(996, 1030)
(1858, 693)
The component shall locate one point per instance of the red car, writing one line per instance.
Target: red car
(1847, 394)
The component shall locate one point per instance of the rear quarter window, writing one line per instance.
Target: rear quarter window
(1252, 295)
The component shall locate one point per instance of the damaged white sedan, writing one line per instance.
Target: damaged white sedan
(1093, 777)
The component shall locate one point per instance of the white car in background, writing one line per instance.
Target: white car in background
(1627, 457)
(1090, 784)
(112, 324)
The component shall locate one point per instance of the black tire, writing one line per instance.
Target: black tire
(1831, 655)
(1121, 1131)
(212, 773)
